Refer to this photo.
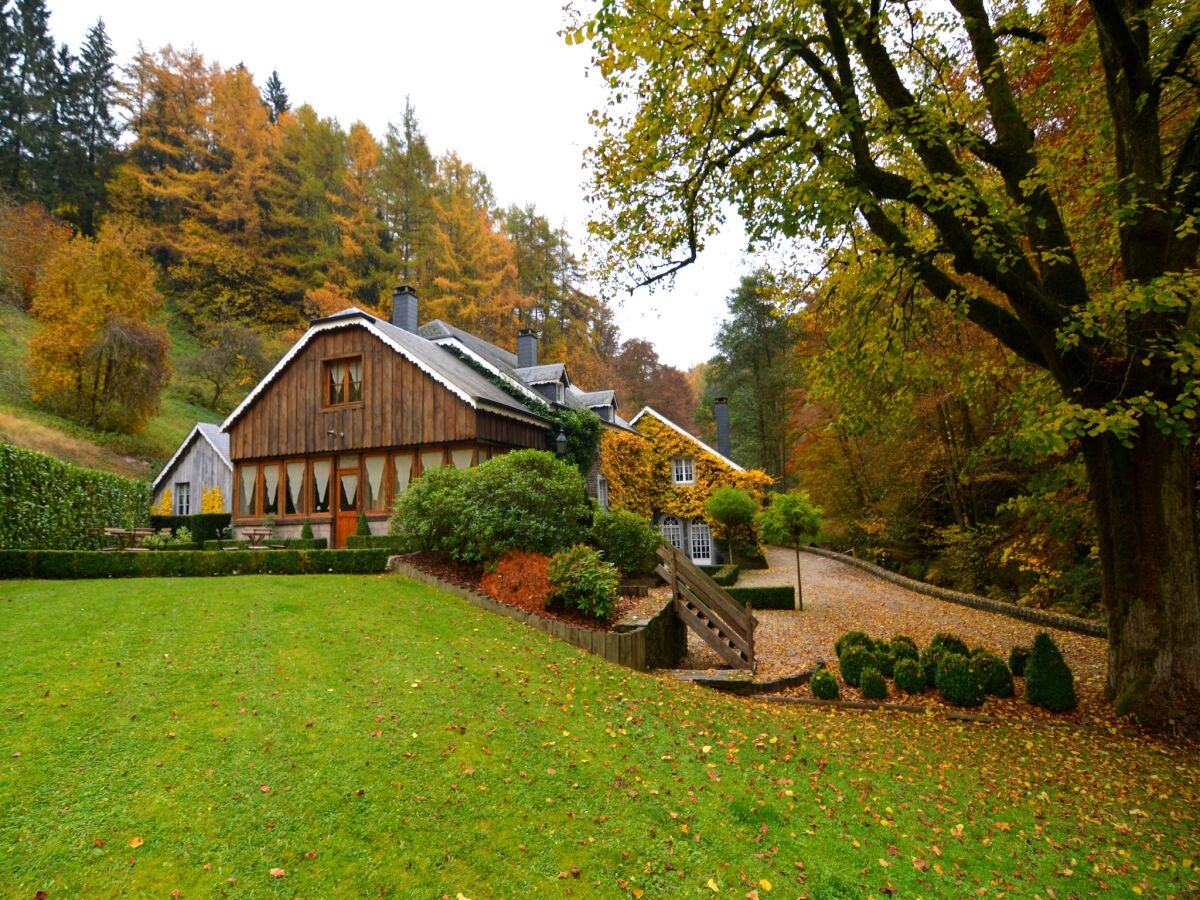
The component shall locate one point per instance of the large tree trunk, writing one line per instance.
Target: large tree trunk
(1150, 568)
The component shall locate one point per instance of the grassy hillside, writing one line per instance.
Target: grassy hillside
(369, 736)
(140, 455)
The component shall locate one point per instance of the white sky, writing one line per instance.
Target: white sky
(491, 80)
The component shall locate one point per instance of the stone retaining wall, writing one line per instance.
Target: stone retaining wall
(1024, 613)
(655, 643)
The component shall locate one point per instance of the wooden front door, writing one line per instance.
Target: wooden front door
(348, 491)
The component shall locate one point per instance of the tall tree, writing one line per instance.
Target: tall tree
(404, 186)
(275, 97)
(756, 368)
(31, 94)
(93, 129)
(814, 116)
(642, 379)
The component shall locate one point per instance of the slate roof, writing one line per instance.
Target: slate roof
(497, 356)
(543, 374)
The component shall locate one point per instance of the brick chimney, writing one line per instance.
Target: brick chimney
(527, 346)
(404, 308)
(721, 417)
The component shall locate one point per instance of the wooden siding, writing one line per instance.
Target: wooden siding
(401, 407)
(202, 468)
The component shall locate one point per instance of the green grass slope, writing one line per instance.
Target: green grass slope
(368, 735)
(26, 425)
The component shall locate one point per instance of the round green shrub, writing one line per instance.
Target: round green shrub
(960, 682)
(854, 661)
(583, 581)
(824, 685)
(852, 639)
(948, 643)
(909, 676)
(1018, 657)
(929, 659)
(872, 684)
(905, 647)
(1048, 679)
(997, 679)
(626, 540)
(886, 657)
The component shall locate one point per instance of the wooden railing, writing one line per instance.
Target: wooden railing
(708, 610)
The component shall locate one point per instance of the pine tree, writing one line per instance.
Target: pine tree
(92, 128)
(404, 187)
(30, 95)
(275, 97)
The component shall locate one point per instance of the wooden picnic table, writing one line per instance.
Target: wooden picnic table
(129, 538)
(257, 537)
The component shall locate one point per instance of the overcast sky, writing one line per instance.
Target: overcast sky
(491, 80)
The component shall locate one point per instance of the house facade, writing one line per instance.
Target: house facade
(667, 474)
(198, 477)
(360, 406)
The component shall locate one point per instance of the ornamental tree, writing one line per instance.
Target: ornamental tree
(970, 146)
(732, 509)
(791, 520)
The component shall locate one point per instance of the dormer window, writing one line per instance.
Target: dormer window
(560, 392)
(685, 469)
(343, 381)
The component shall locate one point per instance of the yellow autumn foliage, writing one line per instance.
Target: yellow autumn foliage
(166, 505)
(212, 500)
(640, 477)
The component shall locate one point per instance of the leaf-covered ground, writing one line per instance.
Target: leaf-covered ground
(339, 735)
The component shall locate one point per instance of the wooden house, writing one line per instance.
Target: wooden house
(200, 470)
(360, 406)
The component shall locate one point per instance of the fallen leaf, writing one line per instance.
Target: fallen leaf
(136, 842)
(312, 854)
(712, 886)
(277, 873)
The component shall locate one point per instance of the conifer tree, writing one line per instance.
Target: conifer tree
(275, 97)
(404, 188)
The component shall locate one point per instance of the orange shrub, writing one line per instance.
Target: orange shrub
(520, 579)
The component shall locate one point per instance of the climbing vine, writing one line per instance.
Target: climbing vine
(641, 480)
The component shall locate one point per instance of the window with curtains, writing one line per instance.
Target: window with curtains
(320, 485)
(402, 466)
(293, 497)
(270, 489)
(374, 468)
(344, 381)
(247, 504)
(684, 469)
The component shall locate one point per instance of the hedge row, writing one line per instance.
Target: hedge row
(765, 597)
(391, 542)
(203, 526)
(288, 543)
(87, 564)
(48, 504)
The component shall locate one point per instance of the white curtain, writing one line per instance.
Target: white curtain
(462, 456)
(355, 381)
(431, 459)
(337, 382)
(295, 485)
(374, 469)
(402, 472)
(320, 475)
(271, 488)
(249, 480)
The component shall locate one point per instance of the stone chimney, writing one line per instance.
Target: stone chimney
(526, 348)
(721, 417)
(404, 308)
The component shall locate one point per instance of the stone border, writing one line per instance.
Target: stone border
(1035, 616)
(650, 645)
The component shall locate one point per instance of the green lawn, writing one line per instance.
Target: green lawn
(368, 735)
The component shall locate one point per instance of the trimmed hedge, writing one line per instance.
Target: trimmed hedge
(391, 542)
(50, 505)
(50, 564)
(288, 543)
(764, 597)
(726, 576)
(203, 526)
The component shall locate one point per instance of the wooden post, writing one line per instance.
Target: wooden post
(674, 572)
(750, 634)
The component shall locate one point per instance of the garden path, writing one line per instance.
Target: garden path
(840, 598)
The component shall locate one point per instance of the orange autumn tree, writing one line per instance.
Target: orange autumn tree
(98, 355)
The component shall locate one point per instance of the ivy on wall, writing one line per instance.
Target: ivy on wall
(641, 478)
(46, 504)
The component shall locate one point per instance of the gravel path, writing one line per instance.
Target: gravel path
(839, 598)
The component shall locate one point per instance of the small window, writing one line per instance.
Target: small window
(560, 392)
(602, 492)
(247, 490)
(685, 469)
(672, 530)
(344, 381)
(183, 498)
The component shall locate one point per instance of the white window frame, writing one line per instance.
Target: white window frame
(602, 491)
(183, 498)
(683, 468)
(700, 540)
(671, 524)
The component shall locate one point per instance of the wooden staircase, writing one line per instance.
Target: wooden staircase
(708, 610)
